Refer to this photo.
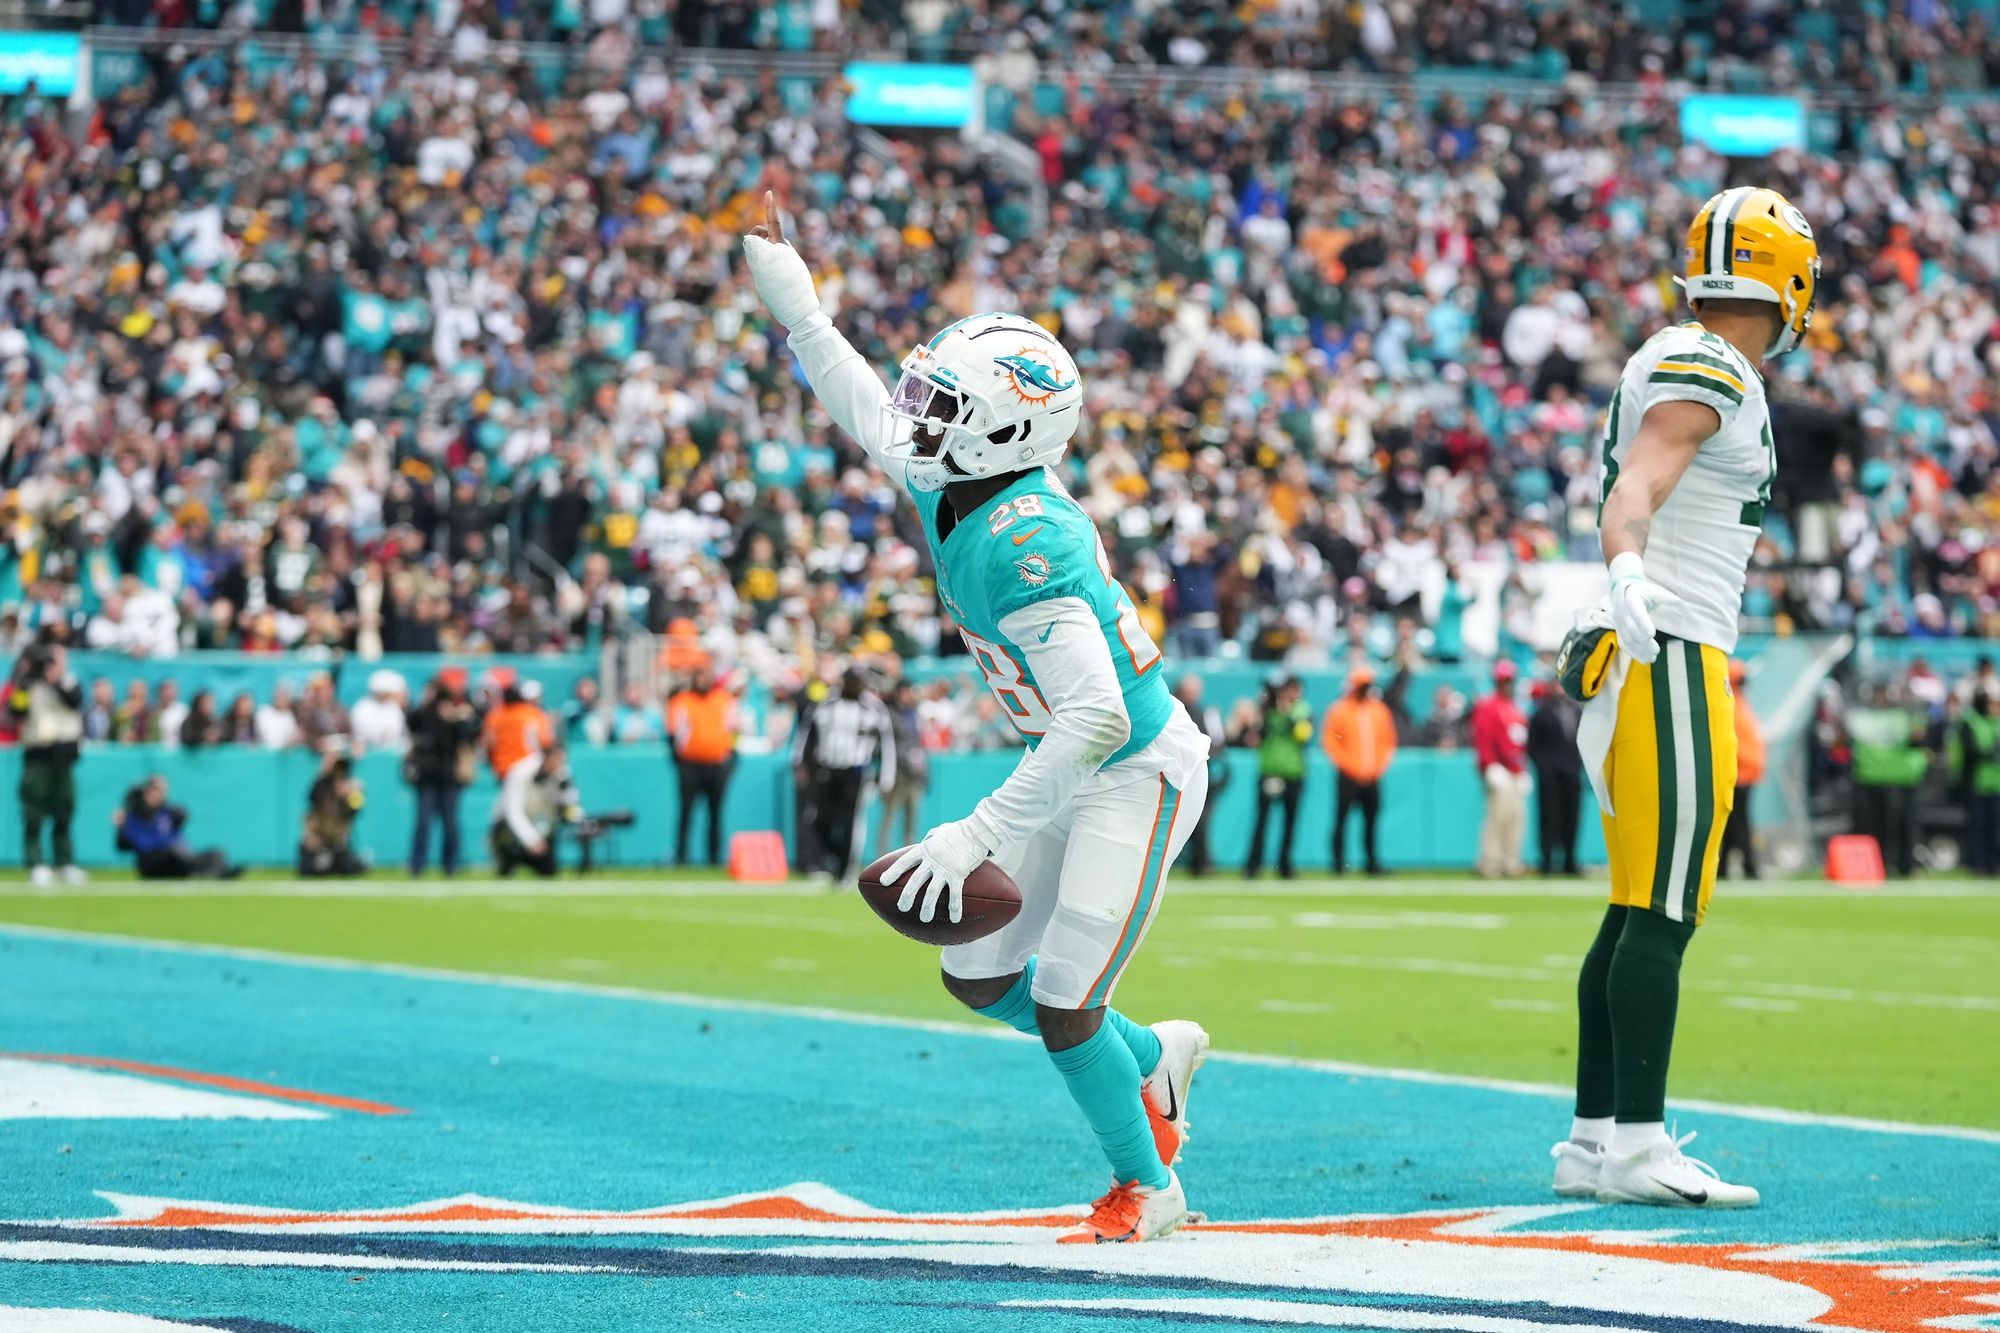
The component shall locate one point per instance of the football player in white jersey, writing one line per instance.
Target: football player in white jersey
(1687, 468)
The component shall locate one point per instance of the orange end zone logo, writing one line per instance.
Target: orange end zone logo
(1433, 1268)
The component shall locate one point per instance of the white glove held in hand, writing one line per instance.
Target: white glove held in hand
(782, 280)
(941, 861)
(1633, 597)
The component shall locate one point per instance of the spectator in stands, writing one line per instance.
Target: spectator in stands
(636, 721)
(169, 713)
(903, 801)
(1979, 757)
(134, 721)
(1738, 835)
(152, 830)
(1890, 763)
(1284, 729)
(1360, 738)
(1449, 726)
(321, 718)
(46, 704)
(582, 720)
(202, 726)
(239, 724)
(380, 721)
(100, 714)
(1499, 746)
(441, 761)
(326, 842)
(277, 723)
(1558, 775)
(702, 726)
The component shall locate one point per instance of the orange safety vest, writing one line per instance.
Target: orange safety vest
(1749, 745)
(1360, 737)
(514, 731)
(703, 725)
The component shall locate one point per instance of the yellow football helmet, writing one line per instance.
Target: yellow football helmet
(1752, 245)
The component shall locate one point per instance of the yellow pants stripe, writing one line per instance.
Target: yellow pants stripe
(1672, 780)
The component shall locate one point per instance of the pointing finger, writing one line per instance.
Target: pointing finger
(771, 219)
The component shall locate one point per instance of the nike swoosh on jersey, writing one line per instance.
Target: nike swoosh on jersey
(1020, 537)
(1043, 637)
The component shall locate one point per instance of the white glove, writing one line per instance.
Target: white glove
(941, 861)
(1496, 776)
(1633, 597)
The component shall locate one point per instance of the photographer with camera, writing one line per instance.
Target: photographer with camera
(326, 843)
(47, 707)
(536, 801)
(152, 830)
(441, 760)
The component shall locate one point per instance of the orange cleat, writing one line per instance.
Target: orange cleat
(1132, 1212)
(1183, 1048)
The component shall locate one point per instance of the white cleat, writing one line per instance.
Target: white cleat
(75, 875)
(1131, 1212)
(42, 876)
(1661, 1175)
(1578, 1168)
(1183, 1048)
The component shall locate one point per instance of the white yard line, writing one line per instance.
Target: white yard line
(1778, 1115)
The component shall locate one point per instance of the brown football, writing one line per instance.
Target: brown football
(991, 901)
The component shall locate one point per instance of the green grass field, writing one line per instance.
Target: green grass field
(1878, 1003)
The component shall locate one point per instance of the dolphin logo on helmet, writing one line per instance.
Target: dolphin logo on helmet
(991, 394)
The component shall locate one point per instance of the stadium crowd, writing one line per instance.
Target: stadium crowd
(371, 357)
(1926, 47)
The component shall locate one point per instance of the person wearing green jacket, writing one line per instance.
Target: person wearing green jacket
(1890, 762)
(1979, 750)
(1285, 730)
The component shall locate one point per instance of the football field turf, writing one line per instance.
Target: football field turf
(662, 1102)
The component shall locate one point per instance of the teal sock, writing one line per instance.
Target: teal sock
(1017, 1007)
(1104, 1079)
(1017, 1010)
(1145, 1047)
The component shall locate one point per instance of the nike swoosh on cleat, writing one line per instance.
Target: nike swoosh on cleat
(1698, 1197)
(1173, 1101)
(1021, 537)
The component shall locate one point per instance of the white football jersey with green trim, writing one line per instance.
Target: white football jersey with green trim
(1702, 537)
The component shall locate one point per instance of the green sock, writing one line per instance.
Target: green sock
(1104, 1079)
(1644, 986)
(1596, 1085)
(1017, 1010)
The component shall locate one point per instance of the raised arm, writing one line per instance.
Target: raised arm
(853, 395)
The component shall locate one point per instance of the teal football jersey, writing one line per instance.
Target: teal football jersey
(1031, 542)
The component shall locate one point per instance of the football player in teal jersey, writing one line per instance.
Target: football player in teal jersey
(1115, 773)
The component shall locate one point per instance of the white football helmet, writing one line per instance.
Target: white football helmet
(992, 393)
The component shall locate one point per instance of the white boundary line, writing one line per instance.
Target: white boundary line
(14, 886)
(993, 1032)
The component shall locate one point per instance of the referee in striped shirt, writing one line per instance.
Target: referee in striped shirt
(840, 742)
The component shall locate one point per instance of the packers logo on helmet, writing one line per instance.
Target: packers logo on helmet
(1750, 244)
